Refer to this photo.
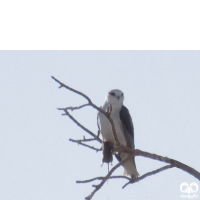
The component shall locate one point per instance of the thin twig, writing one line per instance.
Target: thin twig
(103, 177)
(88, 140)
(80, 125)
(97, 187)
(71, 89)
(107, 114)
(74, 108)
(148, 174)
(173, 162)
(79, 142)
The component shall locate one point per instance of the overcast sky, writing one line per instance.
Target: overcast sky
(37, 161)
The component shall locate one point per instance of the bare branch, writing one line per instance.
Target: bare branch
(71, 89)
(173, 162)
(118, 148)
(81, 126)
(88, 140)
(74, 108)
(97, 187)
(103, 177)
(148, 174)
(93, 105)
(80, 142)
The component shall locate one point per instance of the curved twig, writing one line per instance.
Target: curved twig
(148, 174)
(173, 162)
(97, 187)
(81, 126)
(80, 142)
(71, 89)
(107, 114)
(103, 177)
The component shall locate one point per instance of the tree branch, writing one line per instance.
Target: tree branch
(107, 114)
(80, 142)
(148, 174)
(74, 108)
(97, 187)
(173, 162)
(81, 126)
(71, 89)
(118, 148)
(103, 177)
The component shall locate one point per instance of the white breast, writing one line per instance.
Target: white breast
(105, 126)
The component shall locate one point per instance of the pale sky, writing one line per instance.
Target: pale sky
(37, 161)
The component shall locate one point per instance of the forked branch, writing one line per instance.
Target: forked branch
(107, 114)
(117, 148)
(97, 187)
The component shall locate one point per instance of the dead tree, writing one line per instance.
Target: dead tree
(117, 148)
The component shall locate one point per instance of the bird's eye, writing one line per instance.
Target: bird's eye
(112, 93)
(122, 95)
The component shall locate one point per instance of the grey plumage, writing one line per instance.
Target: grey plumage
(124, 129)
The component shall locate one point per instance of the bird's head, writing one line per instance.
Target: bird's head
(115, 97)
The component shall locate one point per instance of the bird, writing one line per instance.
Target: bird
(124, 130)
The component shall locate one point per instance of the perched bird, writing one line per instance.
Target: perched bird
(124, 130)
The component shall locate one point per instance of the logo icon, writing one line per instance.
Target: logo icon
(189, 190)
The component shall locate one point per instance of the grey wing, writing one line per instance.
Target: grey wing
(128, 128)
(127, 125)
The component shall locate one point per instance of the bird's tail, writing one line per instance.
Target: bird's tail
(129, 167)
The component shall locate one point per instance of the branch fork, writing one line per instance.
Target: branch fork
(117, 147)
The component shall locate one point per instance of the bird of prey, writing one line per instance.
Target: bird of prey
(124, 130)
